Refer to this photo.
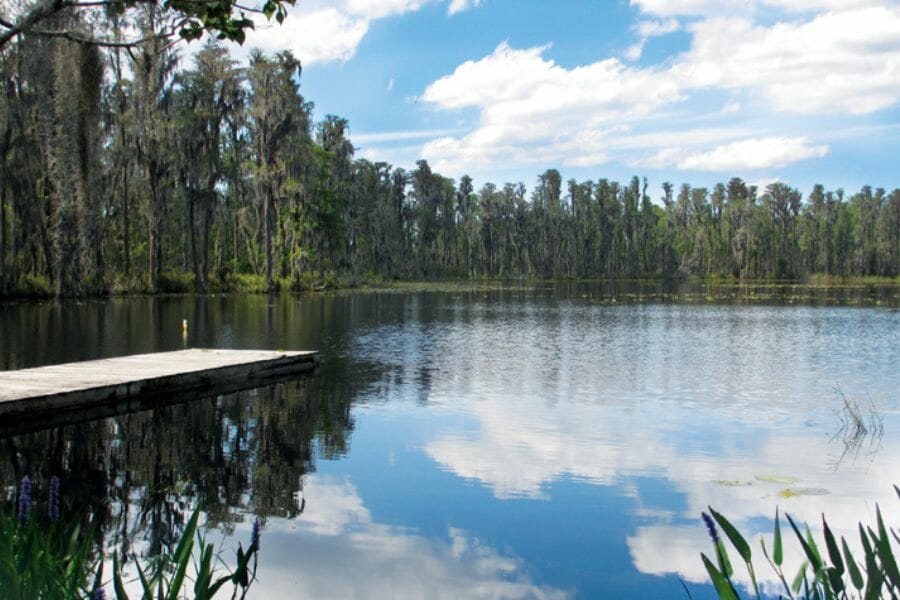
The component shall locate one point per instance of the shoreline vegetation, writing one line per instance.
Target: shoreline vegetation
(31, 287)
(185, 174)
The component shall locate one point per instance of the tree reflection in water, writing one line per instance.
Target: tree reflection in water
(139, 476)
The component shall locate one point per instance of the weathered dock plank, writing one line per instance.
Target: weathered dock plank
(30, 393)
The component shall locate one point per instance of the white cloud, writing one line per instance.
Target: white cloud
(668, 8)
(740, 156)
(731, 107)
(653, 27)
(378, 9)
(320, 36)
(317, 31)
(390, 85)
(707, 8)
(634, 51)
(647, 29)
(700, 136)
(817, 5)
(457, 6)
(533, 111)
(396, 136)
(845, 61)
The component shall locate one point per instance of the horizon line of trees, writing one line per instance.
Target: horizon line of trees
(118, 165)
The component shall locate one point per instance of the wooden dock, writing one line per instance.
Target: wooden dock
(129, 381)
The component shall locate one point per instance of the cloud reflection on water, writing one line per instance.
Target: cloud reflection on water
(336, 550)
(695, 398)
(521, 448)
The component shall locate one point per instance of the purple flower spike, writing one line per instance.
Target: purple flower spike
(99, 594)
(24, 499)
(711, 526)
(53, 504)
(254, 535)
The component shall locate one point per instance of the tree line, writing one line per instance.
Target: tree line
(124, 167)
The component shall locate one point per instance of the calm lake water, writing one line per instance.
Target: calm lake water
(522, 442)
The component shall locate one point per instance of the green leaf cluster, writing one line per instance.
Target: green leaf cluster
(40, 558)
(168, 577)
(832, 575)
(45, 560)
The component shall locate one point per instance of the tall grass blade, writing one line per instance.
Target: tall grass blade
(799, 578)
(98, 578)
(834, 553)
(812, 557)
(835, 580)
(873, 588)
(873, 573)
(183, 556)
(852, 567)
(722, 585)
(777, 555)
(813, 546)
(883, 547)
(118, 586)
(724, 561)
(737, 540)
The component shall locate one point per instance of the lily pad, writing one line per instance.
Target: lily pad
(794, 492)
(732, 482)
(777, 479)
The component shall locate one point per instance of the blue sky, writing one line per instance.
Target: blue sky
(696, 91)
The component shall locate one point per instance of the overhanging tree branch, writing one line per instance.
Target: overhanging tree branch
(198, 17)
(103, 43)
(41, 11)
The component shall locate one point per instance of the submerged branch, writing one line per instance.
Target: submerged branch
(860, 427)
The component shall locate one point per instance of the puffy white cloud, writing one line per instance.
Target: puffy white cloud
(533, 111)
(845, 61)
(320, 36)
(457, 6)
(752, 153)
(317, 31)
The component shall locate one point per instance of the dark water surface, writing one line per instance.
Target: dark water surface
(549, 442)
